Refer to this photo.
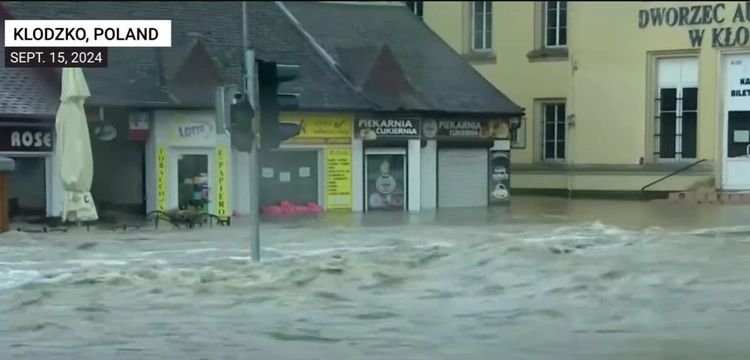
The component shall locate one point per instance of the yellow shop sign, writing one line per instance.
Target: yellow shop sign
(222, 179)
(320, 128)
(161, 178)
(339, 179)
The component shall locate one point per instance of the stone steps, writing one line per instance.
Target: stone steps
(708, 197)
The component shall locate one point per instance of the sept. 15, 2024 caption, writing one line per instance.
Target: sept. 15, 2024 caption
(56, 57)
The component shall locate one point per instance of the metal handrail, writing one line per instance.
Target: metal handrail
(672, 174)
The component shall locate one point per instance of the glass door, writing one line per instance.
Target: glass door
(385, 188)
(193, 180)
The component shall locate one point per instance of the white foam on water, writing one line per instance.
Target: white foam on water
(98, 262)
(719, 230)
(20, 263)
(12, 278)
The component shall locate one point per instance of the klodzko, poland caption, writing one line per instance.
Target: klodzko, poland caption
(56, 57)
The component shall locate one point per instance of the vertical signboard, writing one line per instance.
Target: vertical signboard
(499, 181)
(161, 178)
(222, 182)
(339, 179)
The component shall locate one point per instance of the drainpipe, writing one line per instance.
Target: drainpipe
(571, 120)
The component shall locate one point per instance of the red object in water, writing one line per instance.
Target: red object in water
(273, 210)
(287, 207)
(314, 208)
(285, 204)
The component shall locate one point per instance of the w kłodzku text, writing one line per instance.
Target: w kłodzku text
(713, 14)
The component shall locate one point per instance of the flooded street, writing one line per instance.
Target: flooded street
(545, 279)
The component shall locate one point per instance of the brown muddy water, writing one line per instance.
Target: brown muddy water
(543, 279)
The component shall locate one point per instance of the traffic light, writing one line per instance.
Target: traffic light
(270, 76)
(241, 115)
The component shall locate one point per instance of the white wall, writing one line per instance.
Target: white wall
(358, 176)
(414, 154)
(501, 145)
(428, 175)
(55, 191)
(241, 181)
(151, 169)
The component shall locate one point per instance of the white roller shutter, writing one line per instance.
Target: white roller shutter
(462, 177)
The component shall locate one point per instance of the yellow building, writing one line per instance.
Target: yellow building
(617, 94)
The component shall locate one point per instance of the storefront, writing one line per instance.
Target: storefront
(188, 163)
(736, 131)
(35, 188)
(386, 154)
(313, 167)
(471, 165)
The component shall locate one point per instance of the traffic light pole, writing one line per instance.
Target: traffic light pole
(254, 160)
(252, 97)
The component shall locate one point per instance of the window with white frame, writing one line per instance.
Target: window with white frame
(676, 120)
(482, 21)
(555, 24)
(553, 131)
(417, 7)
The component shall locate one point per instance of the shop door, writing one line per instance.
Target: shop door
(736, 174)
(385, 188)
(462, 177)
(192, 178)
(27, 188)
(290, 175)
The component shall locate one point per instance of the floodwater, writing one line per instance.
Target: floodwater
(543, 279)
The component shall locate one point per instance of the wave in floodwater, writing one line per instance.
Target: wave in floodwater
(367, 293)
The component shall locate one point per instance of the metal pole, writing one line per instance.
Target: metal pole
(250, 90)
(245, 30)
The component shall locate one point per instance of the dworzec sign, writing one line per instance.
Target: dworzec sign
(26, 139)
(722, 25)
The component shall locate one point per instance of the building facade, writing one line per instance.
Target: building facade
(617, 95)
(413, 163)
(341, 162)
(158, 146)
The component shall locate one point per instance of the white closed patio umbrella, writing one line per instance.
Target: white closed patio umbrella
(73, 148)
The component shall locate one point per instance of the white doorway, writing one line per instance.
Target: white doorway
(736, 129)
(191, 178)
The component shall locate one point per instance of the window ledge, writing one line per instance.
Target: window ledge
(546, 54)
(480, 57)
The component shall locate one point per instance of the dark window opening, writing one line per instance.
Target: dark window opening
(676, 135)
(556, 23)
(417, 7)
(554, 136)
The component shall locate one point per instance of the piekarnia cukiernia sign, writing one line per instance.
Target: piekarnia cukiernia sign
(723, 19)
